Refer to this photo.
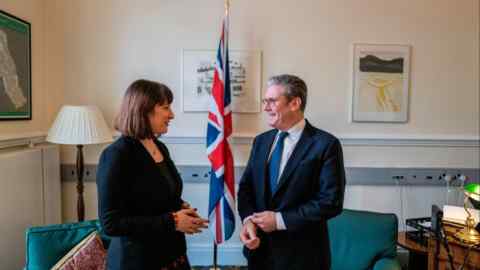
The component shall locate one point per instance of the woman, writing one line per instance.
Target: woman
(139, 188)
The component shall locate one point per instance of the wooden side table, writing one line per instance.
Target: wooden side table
(459, 251)
(418, 254)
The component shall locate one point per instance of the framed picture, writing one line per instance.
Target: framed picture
(245, 80)
(15, 68)
(380, 83)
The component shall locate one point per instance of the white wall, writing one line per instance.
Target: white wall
(87, 52)
(33, 12)
(46, 95)
(109, 44)
(55, 64)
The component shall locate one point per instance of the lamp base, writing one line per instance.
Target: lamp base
(468, 235)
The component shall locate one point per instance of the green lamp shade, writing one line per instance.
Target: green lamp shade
(473, 192)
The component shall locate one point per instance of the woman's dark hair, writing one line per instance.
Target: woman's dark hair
(138, 102)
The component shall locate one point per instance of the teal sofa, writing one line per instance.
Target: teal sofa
(363, 240)
(46, 245)
(358, 239)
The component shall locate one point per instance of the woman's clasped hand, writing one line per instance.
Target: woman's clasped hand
(189, 221)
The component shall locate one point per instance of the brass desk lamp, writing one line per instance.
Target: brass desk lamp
(468, 234)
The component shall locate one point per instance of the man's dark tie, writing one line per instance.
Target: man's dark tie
(275, 159)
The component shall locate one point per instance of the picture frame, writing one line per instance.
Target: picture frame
(15, 68)
(245, 80)
(381, 80)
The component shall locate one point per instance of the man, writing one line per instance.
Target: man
(293, 183)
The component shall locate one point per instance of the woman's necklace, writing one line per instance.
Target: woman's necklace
(151, 147)
(154, 151)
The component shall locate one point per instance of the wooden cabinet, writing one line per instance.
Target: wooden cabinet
(30, 195)
(417, 254)
(458, 251)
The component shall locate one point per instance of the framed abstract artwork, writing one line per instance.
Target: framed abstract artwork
(380, 83)
(15, 68)
(245, 80)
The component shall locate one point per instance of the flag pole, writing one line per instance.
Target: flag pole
(215, 246)
(215, 256)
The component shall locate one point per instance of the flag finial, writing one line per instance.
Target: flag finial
(227, 5)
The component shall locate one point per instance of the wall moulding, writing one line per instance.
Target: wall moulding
(7, 141)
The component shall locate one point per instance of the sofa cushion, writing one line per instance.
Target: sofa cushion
(359, 238)
(46, 245)
(88, 254)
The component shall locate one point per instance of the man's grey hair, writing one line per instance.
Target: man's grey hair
(294, 87)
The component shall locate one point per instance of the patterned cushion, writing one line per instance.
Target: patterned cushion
(48, 244)
(89, 254)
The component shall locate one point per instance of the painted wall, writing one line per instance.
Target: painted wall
(109, 44)
(87, 52)
(47, 92)
(33, 12)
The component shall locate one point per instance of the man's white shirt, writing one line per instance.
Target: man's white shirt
(294, 134)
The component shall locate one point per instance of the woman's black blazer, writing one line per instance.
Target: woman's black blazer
(135, 203)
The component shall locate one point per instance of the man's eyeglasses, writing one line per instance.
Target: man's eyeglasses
(269, 101)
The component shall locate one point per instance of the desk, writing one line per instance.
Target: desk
(458, 250)
(418, 254)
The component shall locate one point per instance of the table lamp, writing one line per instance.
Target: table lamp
(468, 234)
(79, 125)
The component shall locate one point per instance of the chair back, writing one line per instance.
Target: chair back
(359, 238)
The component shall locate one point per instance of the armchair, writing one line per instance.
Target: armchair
(363, 240)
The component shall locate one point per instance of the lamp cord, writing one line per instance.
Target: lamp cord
(466, 256)
(443, 237)
(402, 215)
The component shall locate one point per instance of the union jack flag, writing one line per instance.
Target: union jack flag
(222, 183)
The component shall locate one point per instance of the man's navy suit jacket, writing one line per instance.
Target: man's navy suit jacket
(309, 192)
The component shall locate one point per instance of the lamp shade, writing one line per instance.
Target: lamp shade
(79, 125)
(472, 190)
